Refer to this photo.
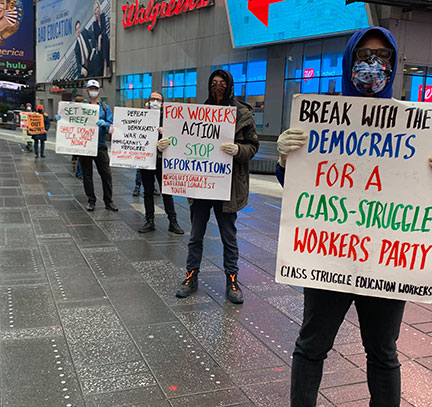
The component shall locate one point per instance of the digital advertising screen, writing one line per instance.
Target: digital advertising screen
(17, 37)
(255, 22)
(73, 39)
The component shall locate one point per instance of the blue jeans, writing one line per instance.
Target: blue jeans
(200, 215)
(380, 320)
(36, 146)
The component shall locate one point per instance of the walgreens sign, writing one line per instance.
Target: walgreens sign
(136, 14)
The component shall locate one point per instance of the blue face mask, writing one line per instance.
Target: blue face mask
(371, 76)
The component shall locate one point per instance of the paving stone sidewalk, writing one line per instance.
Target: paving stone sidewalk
(88, 315)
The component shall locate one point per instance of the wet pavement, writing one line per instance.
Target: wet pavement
(88, 315)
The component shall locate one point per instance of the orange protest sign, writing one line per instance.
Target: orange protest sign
(35, 123)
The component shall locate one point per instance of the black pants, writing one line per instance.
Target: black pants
(102, 165)
(380, 320)
(200, 215)
(147, 179)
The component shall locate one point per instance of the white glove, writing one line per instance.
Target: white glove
(230, 148)
(163, 143)
(289, 140)
(430, 160)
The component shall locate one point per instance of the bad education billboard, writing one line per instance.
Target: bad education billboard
(254, 22)
(73, 39)
(16, 37)
(357, 215)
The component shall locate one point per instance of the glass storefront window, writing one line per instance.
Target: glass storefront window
(250, 82)
(312, 67)
(180, 85)
(134, 90)
(417, 83)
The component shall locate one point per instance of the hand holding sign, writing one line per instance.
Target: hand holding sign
(163, 143)
(430, 160)
(290, 140)
(230, 148)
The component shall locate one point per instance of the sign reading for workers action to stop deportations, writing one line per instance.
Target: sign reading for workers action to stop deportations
(194, 165)
(357, 209)
(77, 132)
(134, 141)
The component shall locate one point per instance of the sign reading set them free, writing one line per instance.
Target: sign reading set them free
(35, 123)
(134, 141)
(357, 209)
(77, 132)
(194, 165)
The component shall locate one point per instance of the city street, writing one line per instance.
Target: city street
(89, 317)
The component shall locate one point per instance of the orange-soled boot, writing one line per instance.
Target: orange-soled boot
(233, 291)
(189, 285)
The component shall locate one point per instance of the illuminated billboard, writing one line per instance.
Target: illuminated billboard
(73, 39)
(16, 38)
(255, 22)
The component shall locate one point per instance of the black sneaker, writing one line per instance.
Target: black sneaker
(42, 155)
(149, 226)
(233, 291)
(175, 228)
(36, 155)
(91, 206)
(111, 207)
(188, 286)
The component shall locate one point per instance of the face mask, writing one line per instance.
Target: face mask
(155, 104)
(93, 94)
(217, 91)
(40, 111)
(371, 76)
(29, 109)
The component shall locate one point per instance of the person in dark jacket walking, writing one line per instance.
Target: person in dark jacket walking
(245, 146)
(41, 138)
(148, 181)
(369, 69)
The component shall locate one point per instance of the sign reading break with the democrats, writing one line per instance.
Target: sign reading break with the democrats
(194, 165)
(357, 207)
(134, 142)
(77, 132)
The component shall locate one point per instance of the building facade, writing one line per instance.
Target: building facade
(178, 54)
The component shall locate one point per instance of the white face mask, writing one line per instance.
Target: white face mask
(29, 109)
(93, 94)
(155, 104)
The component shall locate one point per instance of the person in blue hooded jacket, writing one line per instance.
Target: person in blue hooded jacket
(369, 69)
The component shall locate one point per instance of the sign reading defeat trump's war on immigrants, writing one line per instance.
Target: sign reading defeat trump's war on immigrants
(134, 142)
(194, 165)
(357, 209)
(77, 132)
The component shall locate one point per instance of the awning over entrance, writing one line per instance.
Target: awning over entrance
(408, 4)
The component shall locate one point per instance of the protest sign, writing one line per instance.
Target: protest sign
(23, 120)
(357, 211)
(134, 141)
(194, 165)
(35, 123)
(77, 133)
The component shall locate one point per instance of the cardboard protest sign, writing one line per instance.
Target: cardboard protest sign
(77, 133)
(357, 209)
(23, 120)
(194, 165)
(35, 123)
(134, 141)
